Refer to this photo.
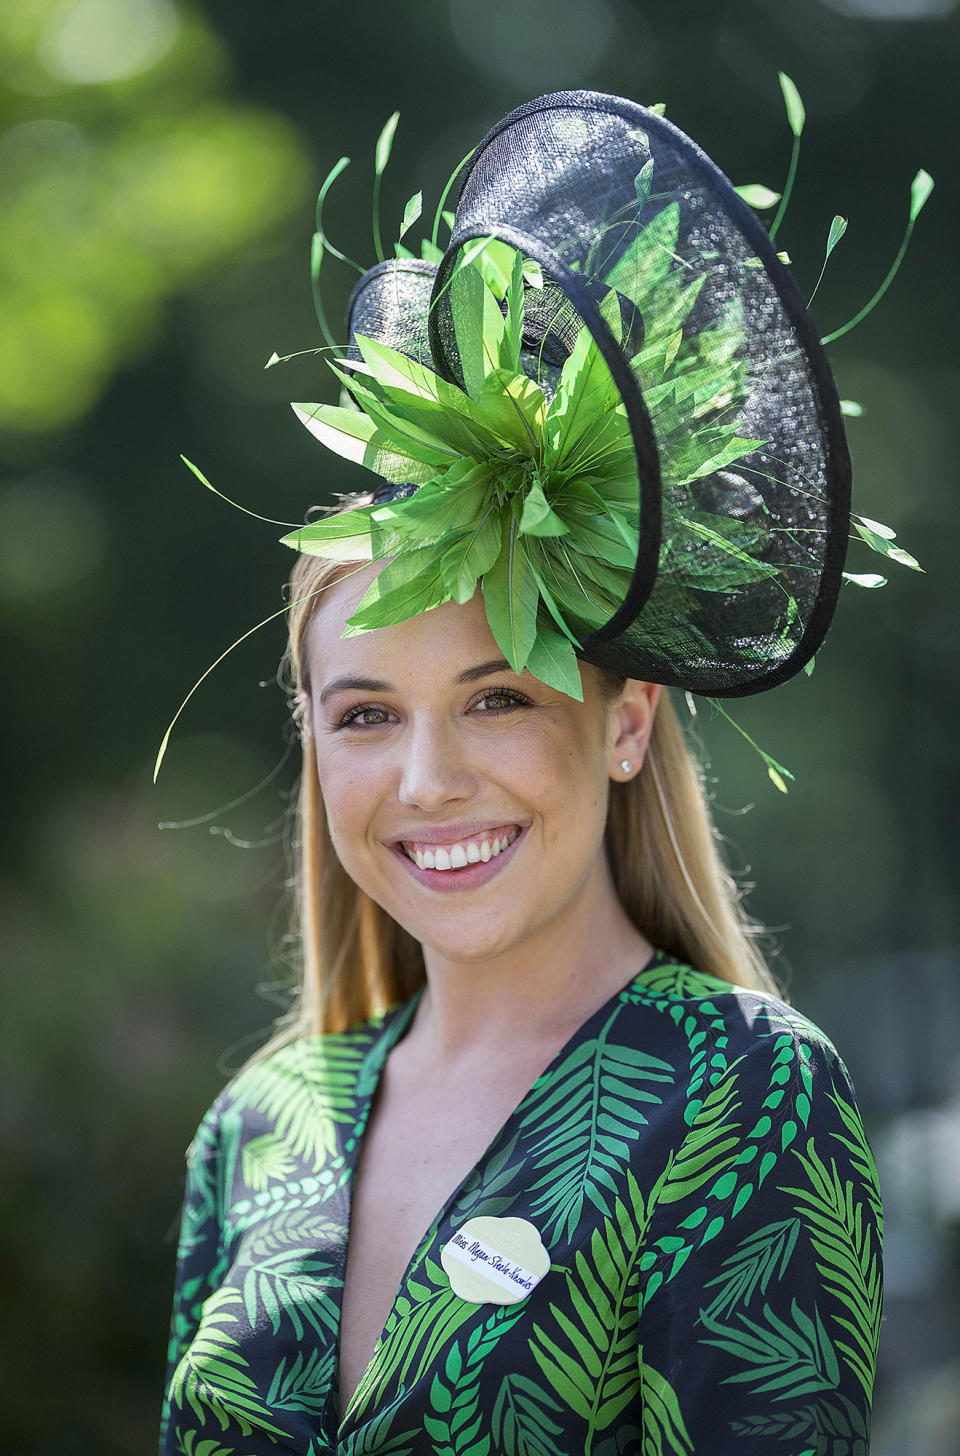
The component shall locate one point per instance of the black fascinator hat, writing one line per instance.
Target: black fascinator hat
(605, 405)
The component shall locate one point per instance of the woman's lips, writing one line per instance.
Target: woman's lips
(472, 875)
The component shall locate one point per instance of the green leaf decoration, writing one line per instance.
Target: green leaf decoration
(321, 244)
(411, 213)
(532, 273)
(342, 537)
(871, 580)
(835, 1420)
(417, 1329)
(511, 598)
(382, 156)
(709, 1148)
(328, 182)
(385, 143)
(356, 437)
(861, 1156)
(776, 771)
(881, 544)
(513, 329)
(553, 660)
(376, 1438)
(286, 1288)
(837, 229)
(876, 527)
(478, 324)
(920, 190)
(456, 1415)
(648, 258)
(537, 517)
(796, 116)
(237, 507)
(758, 196)
(419, 593)
(471, 555)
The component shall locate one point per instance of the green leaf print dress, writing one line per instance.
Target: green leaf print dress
(694, 1162)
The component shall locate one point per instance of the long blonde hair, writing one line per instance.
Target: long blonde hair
(667, 868)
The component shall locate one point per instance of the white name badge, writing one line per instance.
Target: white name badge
(495, 1260)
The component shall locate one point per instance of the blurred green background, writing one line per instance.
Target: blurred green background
(158, 166)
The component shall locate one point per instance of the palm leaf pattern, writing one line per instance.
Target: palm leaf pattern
(213, 1377)
(834, 1425)
(525, 1420)
(695, 1163)
(792, 1359)
(763, 1255)
(663, 1427)
(585, 1120)
(422, 1321)
(455, 1418)
(301, 1381)
(847, 1259)
(306, 1091)
(265, 1159)
(378, 1438)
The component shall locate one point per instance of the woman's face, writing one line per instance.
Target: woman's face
(468, 801)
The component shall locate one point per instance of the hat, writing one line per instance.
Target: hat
(607, 405)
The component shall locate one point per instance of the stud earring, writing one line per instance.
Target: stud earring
(626, 765)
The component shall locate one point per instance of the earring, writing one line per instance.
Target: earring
(626, 765)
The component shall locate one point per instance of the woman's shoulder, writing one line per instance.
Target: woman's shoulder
(735, 1021)
(320, 1073)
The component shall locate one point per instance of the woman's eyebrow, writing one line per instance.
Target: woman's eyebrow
(374, 685)
(483, 669)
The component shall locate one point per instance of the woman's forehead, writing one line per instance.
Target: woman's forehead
(449, 636)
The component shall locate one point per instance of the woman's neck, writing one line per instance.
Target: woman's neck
(535, 993)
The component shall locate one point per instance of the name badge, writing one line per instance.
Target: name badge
(495, 1260)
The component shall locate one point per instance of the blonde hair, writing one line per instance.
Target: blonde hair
(667, 868)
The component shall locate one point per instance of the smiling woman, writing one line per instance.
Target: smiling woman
(541, 1161)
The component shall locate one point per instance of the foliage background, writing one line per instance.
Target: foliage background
(158, 164)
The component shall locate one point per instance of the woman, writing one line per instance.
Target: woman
(543, 1163)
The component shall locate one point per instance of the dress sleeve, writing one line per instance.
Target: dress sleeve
(200, 1246)
(761, 1289)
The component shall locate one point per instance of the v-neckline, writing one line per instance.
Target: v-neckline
(335, 1420)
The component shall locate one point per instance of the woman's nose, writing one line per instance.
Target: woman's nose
(433, 769)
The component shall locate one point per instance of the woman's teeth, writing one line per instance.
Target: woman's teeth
(457, 856)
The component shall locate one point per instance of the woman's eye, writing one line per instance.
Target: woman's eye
(364, 718)
(499, 700)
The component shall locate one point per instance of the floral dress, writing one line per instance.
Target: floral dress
(694, 1163)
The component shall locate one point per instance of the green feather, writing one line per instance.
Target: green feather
(511, 598)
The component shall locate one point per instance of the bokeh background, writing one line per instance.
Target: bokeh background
(159, 161)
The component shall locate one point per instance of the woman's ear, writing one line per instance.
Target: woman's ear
(632, 714)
